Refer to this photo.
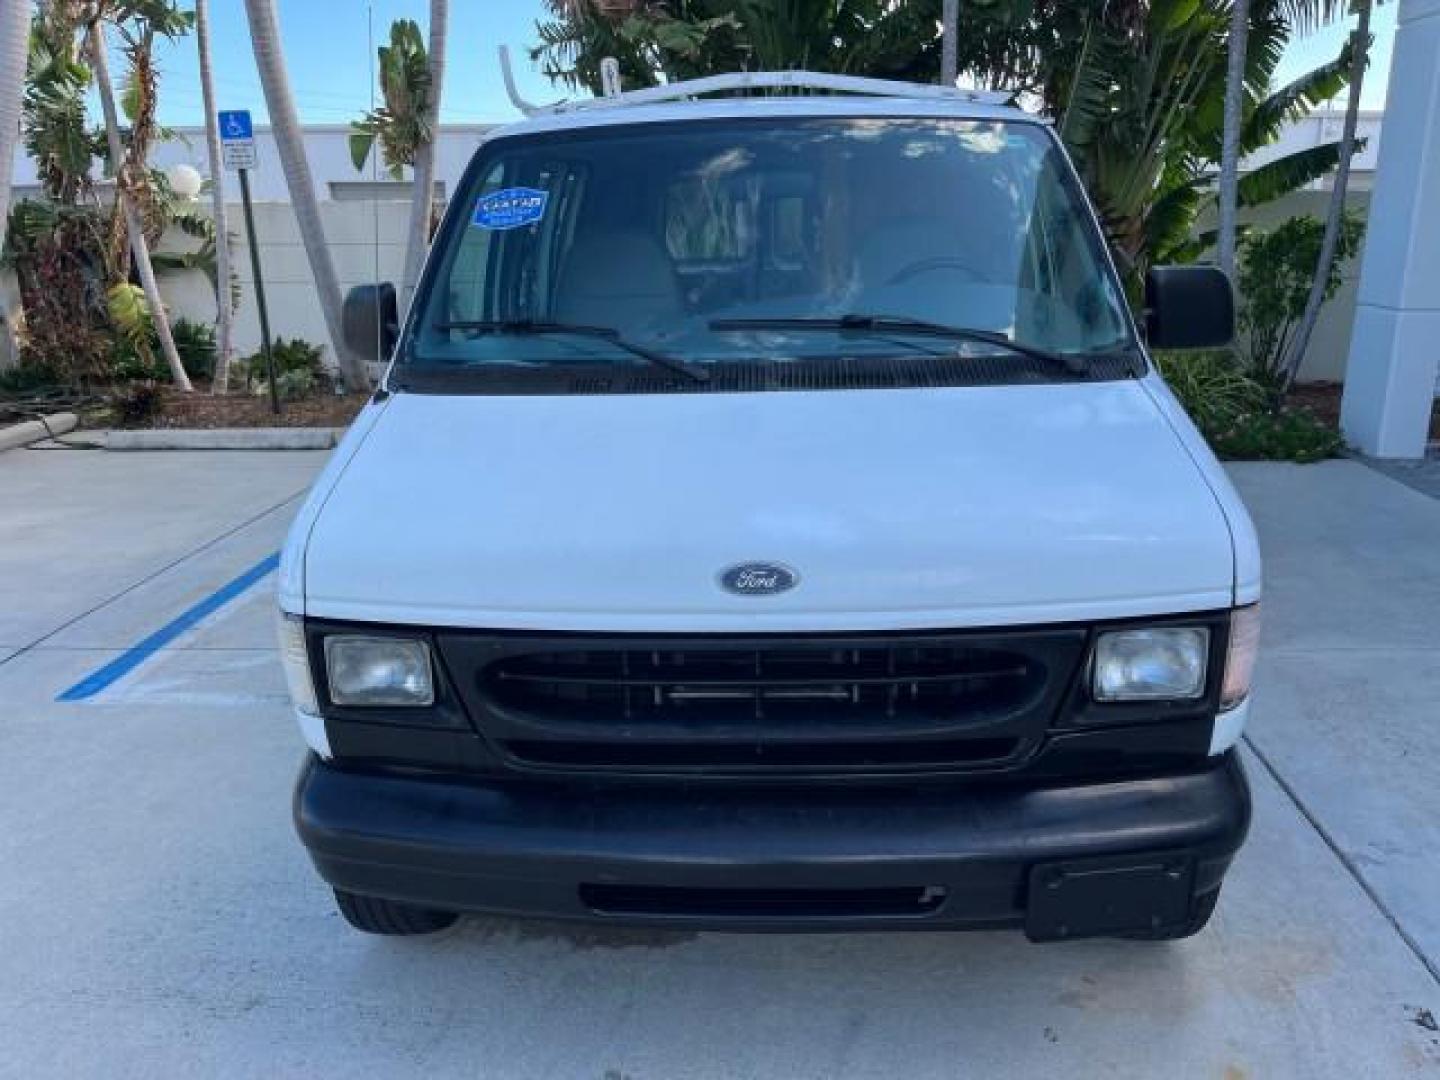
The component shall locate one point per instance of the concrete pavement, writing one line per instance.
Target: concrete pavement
(157, 916)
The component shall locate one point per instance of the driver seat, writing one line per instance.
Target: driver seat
(620, 279)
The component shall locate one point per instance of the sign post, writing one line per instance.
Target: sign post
(237, 141)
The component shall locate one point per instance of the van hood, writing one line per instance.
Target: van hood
(895, 509)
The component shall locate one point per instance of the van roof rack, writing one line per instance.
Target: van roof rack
(756, 80)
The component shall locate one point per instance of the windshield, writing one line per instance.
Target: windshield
(706, 242)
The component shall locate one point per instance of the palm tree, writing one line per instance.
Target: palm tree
(1230, 138)
(1298, 15)
(949, 53)
(14, 38)
(684, 39)
(402, 130)
(418, 238)
(270, 60)
(125, 196)
(1359, 59)
(224, 310)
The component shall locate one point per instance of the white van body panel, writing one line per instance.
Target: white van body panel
(290, 580)
(1242, 530)
(898, 509)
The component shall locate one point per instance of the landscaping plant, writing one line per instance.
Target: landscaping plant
(1240, 416)
(136, 404)
(1276, 267)
(403, 128)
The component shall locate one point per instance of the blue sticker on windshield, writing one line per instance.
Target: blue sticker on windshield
(510, 208)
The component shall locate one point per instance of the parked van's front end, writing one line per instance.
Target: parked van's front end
(772, 520)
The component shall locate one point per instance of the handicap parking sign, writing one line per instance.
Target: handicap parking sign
(236, 125)
(237, 139)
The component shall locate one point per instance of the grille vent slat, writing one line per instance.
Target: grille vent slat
(779, 707)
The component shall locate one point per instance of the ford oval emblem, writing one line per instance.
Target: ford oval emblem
(758, 579)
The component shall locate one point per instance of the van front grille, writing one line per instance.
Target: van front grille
(768, 705)
(783, 685)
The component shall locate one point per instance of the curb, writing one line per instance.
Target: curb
(30, 431)
(224, 439)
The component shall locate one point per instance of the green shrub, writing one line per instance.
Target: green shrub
(293, 385)
(1241, 416)
(1287, 435)
(129, 364)
(1276, 269)
(291, 356)
(297, 354)
(29, 375)
(137, 404)
(195, 342)
(1211, 386)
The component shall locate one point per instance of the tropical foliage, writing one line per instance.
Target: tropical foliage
(401, 125)
(1239, 414)
(1136, 88)
(683, 39)
(1144, 112)
(70, 249)
(1276, 267)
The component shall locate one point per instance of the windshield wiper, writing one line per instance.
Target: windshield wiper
(605, 333)
(1074, 363)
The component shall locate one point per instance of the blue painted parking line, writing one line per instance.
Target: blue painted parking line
(138, 653)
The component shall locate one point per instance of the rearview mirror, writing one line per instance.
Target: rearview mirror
(1188, 307)
(371, 321)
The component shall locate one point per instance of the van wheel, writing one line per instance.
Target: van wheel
(1201, 910)
(376, 916)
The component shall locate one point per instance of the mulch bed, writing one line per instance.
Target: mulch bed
(201, 409)
(1323, 399)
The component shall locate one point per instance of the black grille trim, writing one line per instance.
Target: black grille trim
(772, 705)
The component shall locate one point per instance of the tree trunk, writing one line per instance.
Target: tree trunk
(270, 60)
(139, 249)
(1229, 194)
(224, 311)
(422, 203)
(949, 46)
(14, 42)
(1359, 59)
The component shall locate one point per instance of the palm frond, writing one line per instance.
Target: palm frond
(1294, 101)
(1307, 16)
(1290, 173)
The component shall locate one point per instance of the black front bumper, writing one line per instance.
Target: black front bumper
(1060, 861)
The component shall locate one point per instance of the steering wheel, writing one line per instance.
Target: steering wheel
(938, 262)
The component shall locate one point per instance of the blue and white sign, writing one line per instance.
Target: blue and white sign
(237, 139)
(236, 125)
(510, 208)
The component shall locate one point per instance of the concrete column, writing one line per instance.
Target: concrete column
(1390, 378)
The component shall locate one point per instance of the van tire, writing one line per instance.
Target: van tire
(375, 916)
(1200, 911)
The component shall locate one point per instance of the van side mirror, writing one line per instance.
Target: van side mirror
(1188, 307)
(370, 321)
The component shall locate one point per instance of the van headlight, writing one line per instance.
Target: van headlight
(1156, 664)
(378, 671)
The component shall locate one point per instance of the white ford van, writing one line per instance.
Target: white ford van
(771, 519)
